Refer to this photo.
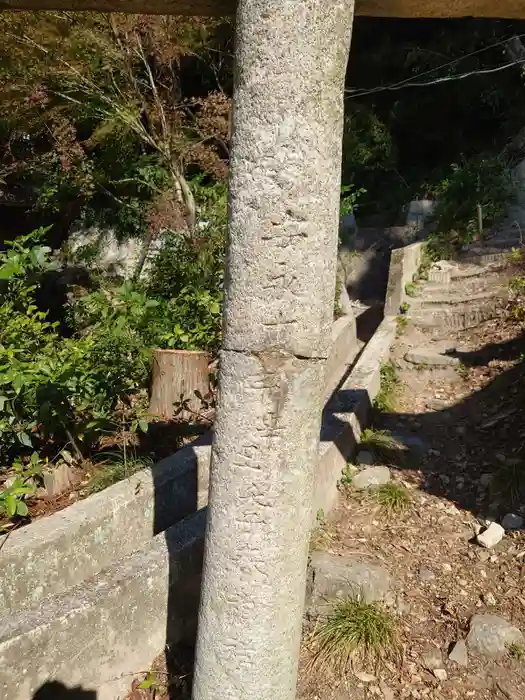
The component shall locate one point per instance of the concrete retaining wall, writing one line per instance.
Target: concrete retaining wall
(404, 264)
(58, 552)
(101, 634)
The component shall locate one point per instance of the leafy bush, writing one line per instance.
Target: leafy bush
(188, 276)
(56, 390)
(483, 180)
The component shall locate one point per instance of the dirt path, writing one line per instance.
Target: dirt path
(465, 420)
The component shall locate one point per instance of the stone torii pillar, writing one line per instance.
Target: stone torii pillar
(291, 58)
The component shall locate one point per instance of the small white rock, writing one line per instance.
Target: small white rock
(488, 599)
(440, 674)
(491, 536)
(512, 521)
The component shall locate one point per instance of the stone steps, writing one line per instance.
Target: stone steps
(440, 320)
(464, 293)
(453, 298)
(468, 287)
(486, 256)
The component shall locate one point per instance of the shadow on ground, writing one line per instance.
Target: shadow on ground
(475, 449)
(57, 691)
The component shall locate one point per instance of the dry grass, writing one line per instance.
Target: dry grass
(355, 632)
(393, 499)
(385, 448)
(509, 481)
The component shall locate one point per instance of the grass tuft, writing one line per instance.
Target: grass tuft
(115, 468)
(509, 481)
(384, 446)
(355, 632)
(385, 400)
(516, 651)
(393, 499)
(401, 325)
(410, 289)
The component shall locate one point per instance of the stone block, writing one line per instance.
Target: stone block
(333, 577)
(430, 358)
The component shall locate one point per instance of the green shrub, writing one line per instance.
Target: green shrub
(386, 397)
(56, 390)
(483, 180)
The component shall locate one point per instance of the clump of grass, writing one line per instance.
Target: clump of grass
(393, 499)
(462, 370)
(384, 446)
(516, 651)
(347, 475)
(115, 468)
(321, 536)
(389, 384)
(355, 631)
(410, 289)
(427, 261)
(401, 325)
(509, 481)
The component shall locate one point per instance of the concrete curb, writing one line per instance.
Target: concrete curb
(58, 552)
(89, 636)
(101, 634)
(404, 264)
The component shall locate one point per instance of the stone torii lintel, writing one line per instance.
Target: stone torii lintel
(497, 9)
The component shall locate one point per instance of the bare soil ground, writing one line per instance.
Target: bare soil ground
(469, 418)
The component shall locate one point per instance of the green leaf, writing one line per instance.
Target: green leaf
(25, 439)
(9, 270)
(21, 508)
(148, 682)
(11, 504)
(143, 425)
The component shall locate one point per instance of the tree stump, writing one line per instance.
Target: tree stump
(176, 376)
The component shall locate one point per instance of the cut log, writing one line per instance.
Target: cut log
(176, 376)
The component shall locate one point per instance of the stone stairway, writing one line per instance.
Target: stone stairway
(463, 293)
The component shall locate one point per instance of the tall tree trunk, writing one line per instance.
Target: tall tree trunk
(283, 229)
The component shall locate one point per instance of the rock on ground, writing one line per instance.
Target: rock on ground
(459, 653)
(371, 477)
(512, 521)
(433, 659)
(333, 577)
(491, 635)
(430, 358)
(491, 536)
